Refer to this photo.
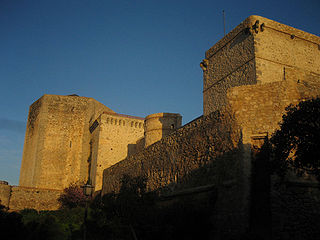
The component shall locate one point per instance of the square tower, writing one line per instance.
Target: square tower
(259, 51)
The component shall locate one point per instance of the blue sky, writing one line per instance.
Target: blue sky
(135, 56)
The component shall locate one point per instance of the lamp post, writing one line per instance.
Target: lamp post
(87, 191)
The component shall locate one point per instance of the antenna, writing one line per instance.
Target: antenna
(224, 23)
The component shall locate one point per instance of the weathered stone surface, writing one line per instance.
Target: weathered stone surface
(206, 151)
(295, 211)
(17, 198)
(56, 146)
(259, 51)
(114, 139)
(35, 198)
(159, 125)
(5, 191)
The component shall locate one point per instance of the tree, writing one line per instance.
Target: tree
(296, 145)
(72, 197)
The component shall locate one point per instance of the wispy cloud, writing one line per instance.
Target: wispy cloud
(12, 125)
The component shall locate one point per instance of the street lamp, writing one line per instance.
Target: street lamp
(87, 191)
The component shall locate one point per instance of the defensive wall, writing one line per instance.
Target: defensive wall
(207, 151)
(251, 75)
(16, 198)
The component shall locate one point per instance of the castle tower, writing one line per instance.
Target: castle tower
(56, 147)
(158, 125)
(113, 138)
(259, 51)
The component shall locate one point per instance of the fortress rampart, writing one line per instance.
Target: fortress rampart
(207, 151)
(16, 198)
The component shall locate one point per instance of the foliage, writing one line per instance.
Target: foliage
(133, 213)
(60, 224)
(297, 144)
(72, 197)
(11, 225)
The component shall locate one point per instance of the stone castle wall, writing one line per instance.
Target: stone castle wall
(33, 198)
(259, 108)
(5, 191)
(295, 208)
(56, 146)
(206, 151)
(230, 63)
(285, 53)
(17, 198)
(113, 140)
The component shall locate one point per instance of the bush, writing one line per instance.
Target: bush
(72, 197)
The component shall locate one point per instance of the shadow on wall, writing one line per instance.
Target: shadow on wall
(131, 149)
(215, 183)
(212, 201)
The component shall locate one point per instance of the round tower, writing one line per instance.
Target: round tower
(158, 125)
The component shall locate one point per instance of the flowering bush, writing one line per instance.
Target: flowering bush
(72, 197)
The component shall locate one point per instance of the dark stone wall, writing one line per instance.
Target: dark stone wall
(207, 151)
(295, 210)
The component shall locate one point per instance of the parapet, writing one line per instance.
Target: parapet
(158, 125)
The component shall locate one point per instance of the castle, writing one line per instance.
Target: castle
(72, 139)
(249, 77)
